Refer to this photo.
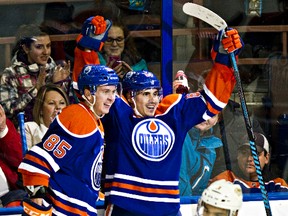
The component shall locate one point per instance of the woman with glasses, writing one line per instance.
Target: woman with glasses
(119, 51)
(246, 176)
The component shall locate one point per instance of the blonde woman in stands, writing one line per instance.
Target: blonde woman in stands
(50, 100)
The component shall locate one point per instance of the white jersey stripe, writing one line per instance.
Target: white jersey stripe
(32, 169)
(141, 180)
(45, 154)
(145, 198)
(75, 201)
(213, 98)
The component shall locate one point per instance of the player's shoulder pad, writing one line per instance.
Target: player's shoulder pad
(167, 102)
(73, 118)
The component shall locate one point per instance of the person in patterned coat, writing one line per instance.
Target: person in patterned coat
(31, 68)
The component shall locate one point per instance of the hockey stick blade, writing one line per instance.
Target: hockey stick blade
(205, 15)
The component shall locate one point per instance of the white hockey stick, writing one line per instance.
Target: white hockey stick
(204, 14)
(218, 23)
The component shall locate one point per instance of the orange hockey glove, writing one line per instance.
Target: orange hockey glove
(94, 32)
(231, 41)
(225, 43)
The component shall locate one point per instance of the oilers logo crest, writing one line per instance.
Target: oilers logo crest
(152, 139)
(97, 170)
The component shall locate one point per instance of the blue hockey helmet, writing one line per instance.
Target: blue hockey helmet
(139, 80)
(96, 75)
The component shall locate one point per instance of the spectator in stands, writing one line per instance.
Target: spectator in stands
(246, 176)
(198, 158)
(50, 100)
(119, 51)
(32, 67)
(230, 128)
(10, 150)
(11, 156)
(199, 149)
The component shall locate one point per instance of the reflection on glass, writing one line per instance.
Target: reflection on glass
(254, 7)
